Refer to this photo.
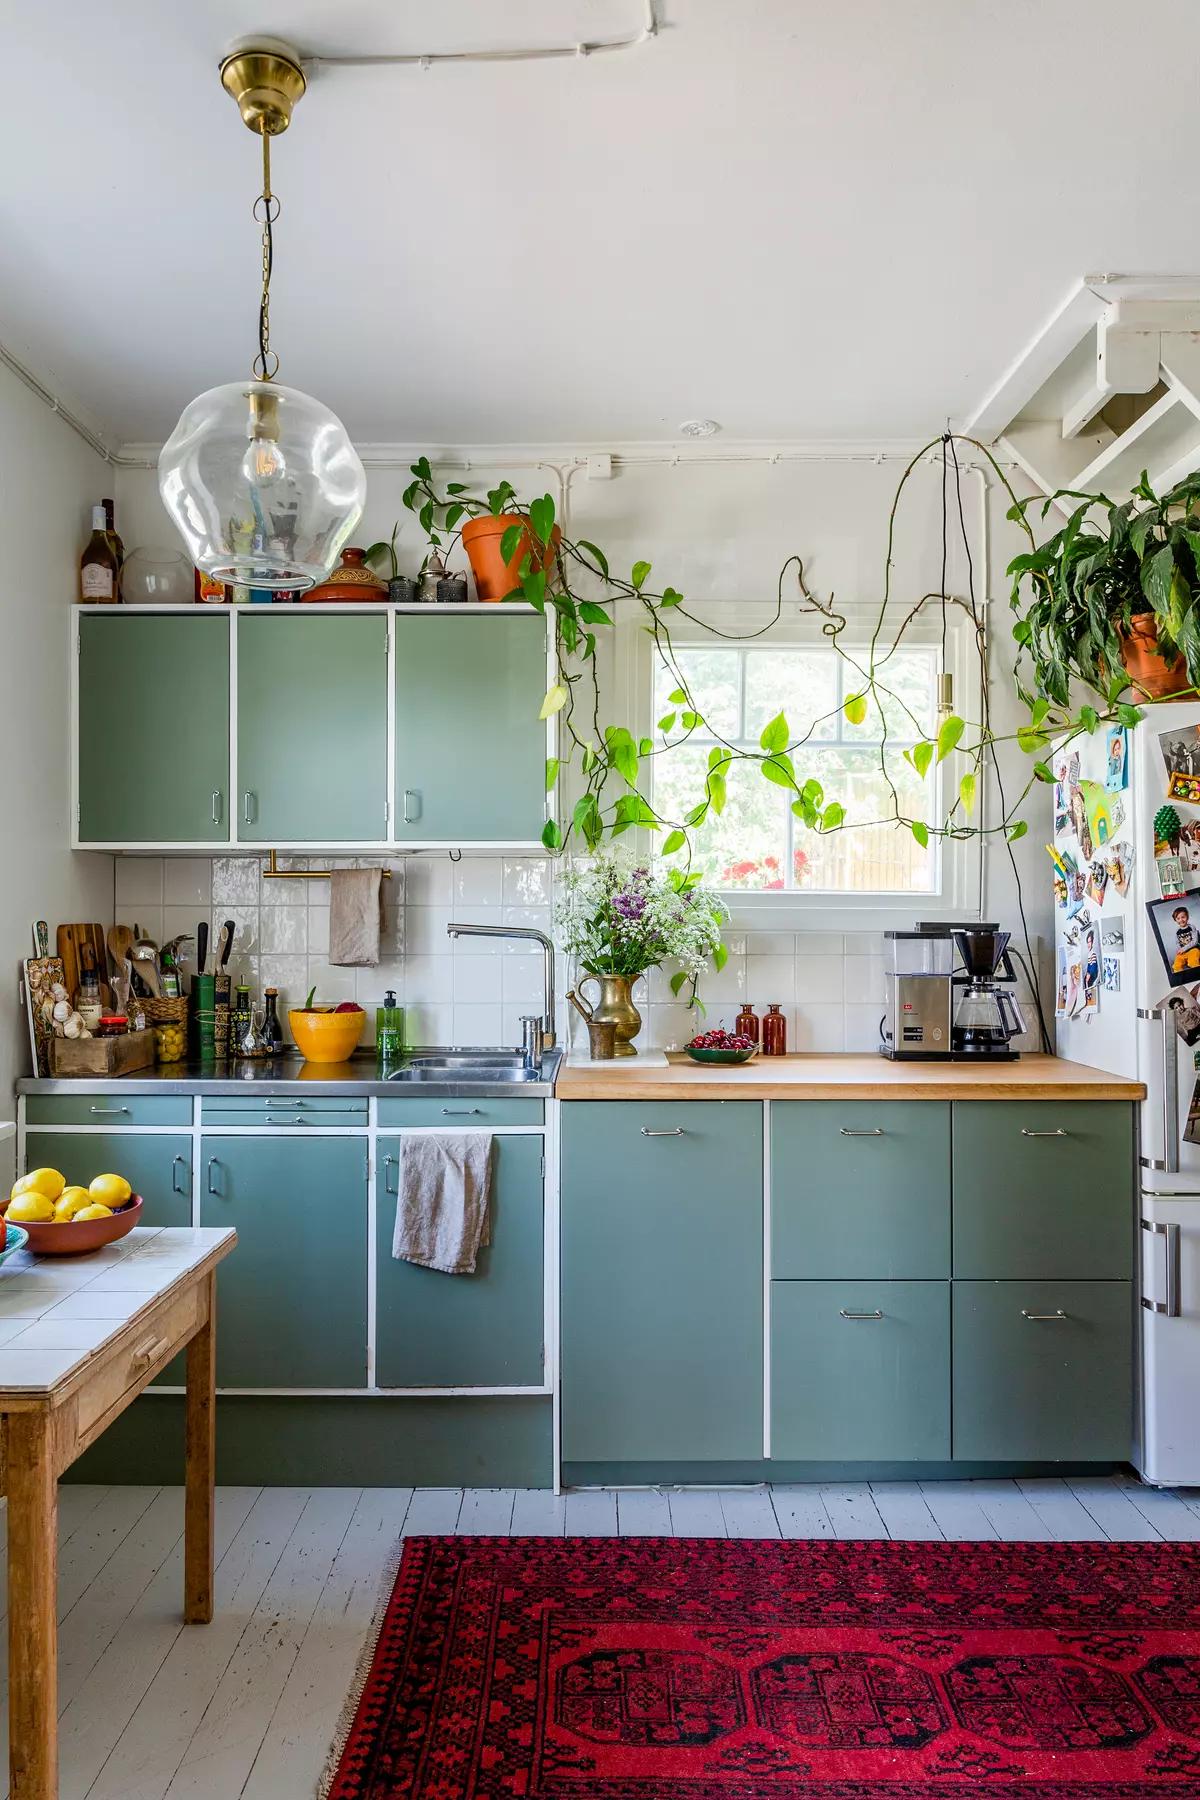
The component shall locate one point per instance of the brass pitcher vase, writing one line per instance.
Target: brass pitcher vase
(615, 1006)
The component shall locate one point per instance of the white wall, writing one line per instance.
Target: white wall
(49, 480)
(719, 531)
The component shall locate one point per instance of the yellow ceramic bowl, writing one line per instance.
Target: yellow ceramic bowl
(326, 1037)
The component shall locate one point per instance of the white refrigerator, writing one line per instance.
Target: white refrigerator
(1133, 1016)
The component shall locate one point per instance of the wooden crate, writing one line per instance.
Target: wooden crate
(102, 1056)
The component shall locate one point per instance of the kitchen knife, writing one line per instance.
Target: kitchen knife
(225, 942)
(201, 946)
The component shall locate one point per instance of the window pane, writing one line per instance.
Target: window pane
(713, 681)
(799, 683)
(882, 858)
(746, 845)
(911, 676)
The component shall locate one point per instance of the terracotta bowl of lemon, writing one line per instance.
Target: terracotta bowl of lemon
(68, 1221)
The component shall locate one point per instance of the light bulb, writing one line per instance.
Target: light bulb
(263, 464)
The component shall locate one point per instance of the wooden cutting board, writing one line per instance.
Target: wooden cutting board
(71, 942)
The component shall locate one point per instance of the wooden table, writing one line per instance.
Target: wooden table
(79, 1339)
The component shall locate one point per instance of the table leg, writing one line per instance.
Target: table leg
(32, 1606)
(200, 1440)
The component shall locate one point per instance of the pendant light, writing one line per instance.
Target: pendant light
(261, 480)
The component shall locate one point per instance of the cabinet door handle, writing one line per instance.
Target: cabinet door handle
(875, 1131)
(108, 1112)
(297, 1120)
(675, 1131)
(177, 1163)
(390, 1162)
(1044, 1318)
(216, 806)
(859, 1315)
(1169, 1308)
(467, 1112)
(412, 806)
(213, 1163)
(1059, 1132)
(249, 806)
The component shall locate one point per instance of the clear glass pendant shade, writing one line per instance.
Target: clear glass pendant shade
(263, 484)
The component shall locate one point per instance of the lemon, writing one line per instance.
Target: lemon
(110, 1190)
(70, 1201)
(41, 1181)
(30, 1208)
(95, 1211)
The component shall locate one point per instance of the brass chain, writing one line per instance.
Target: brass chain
(266, 363)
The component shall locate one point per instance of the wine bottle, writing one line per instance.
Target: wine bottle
(114, 536)
(99, 574)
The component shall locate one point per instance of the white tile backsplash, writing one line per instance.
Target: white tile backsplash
(474, 990)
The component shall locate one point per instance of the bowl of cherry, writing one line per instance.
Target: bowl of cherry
(721, 1046)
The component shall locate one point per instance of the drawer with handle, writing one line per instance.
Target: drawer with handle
(1043, 1189)
(142, 1354)
(468, 1115)
(319, 1111)
(108, 1111)
(1043, 1370)
(860, 1188)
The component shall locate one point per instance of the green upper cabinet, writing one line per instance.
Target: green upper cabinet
(153, 728)
(312, 727)
(470, 748)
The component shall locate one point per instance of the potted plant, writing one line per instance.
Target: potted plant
(498, 537)
(402, 589)
(1116, 587)
(620, 917)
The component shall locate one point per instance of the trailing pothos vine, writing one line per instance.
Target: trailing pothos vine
(572, 580)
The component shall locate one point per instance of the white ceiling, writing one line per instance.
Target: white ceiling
(805, 220)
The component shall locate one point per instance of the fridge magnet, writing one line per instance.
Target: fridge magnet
(1169, 870)
(1118, 860)
(1176, 923)
(1077, 807)
(1112, 933)
(1091, 968)
(1189, 846)
(1074, 987)
(1076, 887)
(1110, 974)
(1056, 857)
(1116, 774)
(1060, 989)
(1059, 886)
(1185, 1009)
(1181, 751)
(1184, 787)
(1097, 881)
(1100, 814)
(1191, 1131)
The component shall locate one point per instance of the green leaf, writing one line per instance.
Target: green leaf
(678, 980)
(855, 708)
(714, 787)
(674, 840)
(1032, 741)
(1043, 771)
(551, 835)
(677, 697)
(556, 699)
(922, 756)
(409, 495)
(640, 572)
(552, 766)
(597, 555)
(534, 588)
(921, 832)
(720, 956)
(689, 720)
(833, 816)
(541, 518)
(453, 515)
(426, 516)
(1089, 718)
(592, 614)
(456, 487)
(1129, 715)
(667, 722)
(671, 598)
(1017, 830)
(949, 732)
(645, 746)
(510, 540)
(779, 770)
(966, 791)
(775, 735)
(697, 815)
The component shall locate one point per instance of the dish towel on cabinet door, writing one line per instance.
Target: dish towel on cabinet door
(355, 916)
(443, 1207)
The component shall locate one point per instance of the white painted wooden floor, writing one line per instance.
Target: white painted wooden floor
(248, 1705)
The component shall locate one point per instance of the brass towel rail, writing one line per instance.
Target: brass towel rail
(273, 872)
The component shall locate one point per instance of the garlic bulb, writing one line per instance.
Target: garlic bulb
(62, 1009)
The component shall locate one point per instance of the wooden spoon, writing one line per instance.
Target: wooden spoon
(120, 946)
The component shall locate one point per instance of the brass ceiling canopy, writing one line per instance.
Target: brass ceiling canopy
(265, 78)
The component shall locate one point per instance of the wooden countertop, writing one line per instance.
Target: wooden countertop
(813, 1077)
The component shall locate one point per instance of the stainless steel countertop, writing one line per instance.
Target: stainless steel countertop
(284, 1075)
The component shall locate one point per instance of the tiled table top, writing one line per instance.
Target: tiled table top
(55, 1311)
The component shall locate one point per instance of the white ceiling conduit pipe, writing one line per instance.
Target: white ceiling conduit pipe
(540, 53)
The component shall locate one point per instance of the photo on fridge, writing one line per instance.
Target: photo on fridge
(1176, 923)
(1185, 1009)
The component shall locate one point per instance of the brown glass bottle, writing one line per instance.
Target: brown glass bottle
(99, 574)
(746, 1023)
(774, 1033)
(114, 536)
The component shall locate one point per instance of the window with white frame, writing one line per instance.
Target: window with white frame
(757, 845)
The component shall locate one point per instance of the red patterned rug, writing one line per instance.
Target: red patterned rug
(637, 1669)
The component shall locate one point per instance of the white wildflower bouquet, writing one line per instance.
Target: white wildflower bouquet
(619, 917)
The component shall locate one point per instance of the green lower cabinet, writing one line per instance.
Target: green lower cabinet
(292, 1298)
(481, 1330)
(1043, 1370)
(662, 1289)
(860, 1371)
(860, 1188)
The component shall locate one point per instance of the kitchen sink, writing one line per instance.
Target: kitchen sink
(476, 1067)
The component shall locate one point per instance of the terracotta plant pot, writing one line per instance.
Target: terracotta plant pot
(1152, 676)
(494, 578)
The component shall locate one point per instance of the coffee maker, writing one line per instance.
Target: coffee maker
(916, 1024)
(986, 1016)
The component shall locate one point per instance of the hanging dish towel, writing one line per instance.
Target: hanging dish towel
(442, 1209)
(355, 910)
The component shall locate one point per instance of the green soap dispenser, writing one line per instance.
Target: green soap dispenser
(389, 1030)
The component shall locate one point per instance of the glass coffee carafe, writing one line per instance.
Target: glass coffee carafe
(986, 1015)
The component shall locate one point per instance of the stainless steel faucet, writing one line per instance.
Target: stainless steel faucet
(537, 937)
